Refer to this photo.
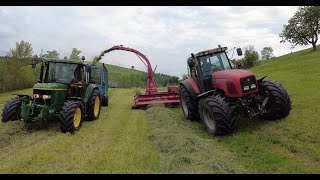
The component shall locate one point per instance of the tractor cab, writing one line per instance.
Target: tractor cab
(72, 76)
(208, 62)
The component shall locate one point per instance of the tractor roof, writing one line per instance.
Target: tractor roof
(210, 51)
(67, 61)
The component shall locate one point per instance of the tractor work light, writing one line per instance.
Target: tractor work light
(46, 96)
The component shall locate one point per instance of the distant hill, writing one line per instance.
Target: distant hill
(125, 77)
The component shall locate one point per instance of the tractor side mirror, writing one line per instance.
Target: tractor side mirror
(33, 64)
(239, 51)
(191, 63)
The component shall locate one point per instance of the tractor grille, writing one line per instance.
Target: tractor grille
(40, 100)
(248, 84)
(42, 92)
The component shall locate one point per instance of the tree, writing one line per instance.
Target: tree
(174, 80)
(250, 57)
(52, 54)
(237, 64)
(267, 53)
(23, 49)
(303, 28)
(75, 54)
(65, 58)
(184, 76)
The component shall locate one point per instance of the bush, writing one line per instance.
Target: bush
(17, 74)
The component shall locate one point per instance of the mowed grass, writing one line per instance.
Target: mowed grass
(183, 150)
(289, 145)
(115, 143)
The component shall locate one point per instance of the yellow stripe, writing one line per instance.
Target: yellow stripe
(50, 89)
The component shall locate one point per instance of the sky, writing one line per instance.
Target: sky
(166, 35)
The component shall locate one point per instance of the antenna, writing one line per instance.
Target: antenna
(41, 53)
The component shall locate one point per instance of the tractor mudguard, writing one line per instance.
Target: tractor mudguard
(75, 98)
(191, 87)
(260, 79)
(88, 92)
(24, 95)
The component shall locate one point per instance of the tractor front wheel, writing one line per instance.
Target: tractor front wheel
(11, 110)
(279, 104)
(217, 115)
(94, 106)
(188, 104)
(71, 116)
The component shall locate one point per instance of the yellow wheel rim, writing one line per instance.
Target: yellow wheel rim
(96, 106)
(77, 117)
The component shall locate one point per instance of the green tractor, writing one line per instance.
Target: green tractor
(70, 91)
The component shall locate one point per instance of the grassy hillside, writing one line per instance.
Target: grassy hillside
(125, 77)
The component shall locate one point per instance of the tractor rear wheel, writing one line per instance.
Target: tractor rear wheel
(188, 104)
(11, 110)
(94, 106)
(71, 116)
(279, 103)
(217, 114)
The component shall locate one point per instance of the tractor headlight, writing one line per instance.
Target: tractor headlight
(36, 95)
(46, 96)
(253, 86)
(245, 88)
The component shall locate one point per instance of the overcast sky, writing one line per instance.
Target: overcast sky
(166, 35)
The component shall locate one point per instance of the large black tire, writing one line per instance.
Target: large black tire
(93, 112)
(188, 104)
(279, 104)
(217, 115)
(11, 110)
(71, 116)
(105, 101)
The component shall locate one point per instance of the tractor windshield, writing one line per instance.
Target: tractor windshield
(214, 62)
(62, 72)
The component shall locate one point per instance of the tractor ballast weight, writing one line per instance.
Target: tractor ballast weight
(151, 95)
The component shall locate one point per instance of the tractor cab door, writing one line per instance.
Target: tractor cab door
(206, 68)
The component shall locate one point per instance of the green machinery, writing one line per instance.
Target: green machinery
(70, 91)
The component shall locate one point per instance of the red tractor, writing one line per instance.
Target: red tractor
(216, 93)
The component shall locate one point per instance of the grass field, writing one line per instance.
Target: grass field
(160, 140)
(115, 143)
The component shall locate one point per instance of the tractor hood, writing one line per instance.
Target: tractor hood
(50, 86)
(233, 74)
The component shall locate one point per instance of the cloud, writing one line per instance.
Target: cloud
(166, 35)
